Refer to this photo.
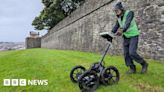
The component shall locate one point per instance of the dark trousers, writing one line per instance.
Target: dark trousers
(130, 46)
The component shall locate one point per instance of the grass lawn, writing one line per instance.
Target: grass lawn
(55, 65)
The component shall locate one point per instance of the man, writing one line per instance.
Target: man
(127, 27)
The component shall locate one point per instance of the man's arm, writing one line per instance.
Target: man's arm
(128, 21)
(115, 28)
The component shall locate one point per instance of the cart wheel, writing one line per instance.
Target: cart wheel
(110, 75)
(88, 81)
(76, 72)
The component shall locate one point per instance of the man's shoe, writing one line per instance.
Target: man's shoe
(132, 70)
(144, 67)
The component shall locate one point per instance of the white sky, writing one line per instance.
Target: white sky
(16, 17)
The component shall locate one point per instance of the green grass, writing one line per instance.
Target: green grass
(55, 65)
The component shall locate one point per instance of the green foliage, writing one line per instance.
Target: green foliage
(55, 65)
(54, 11)
(38, 23)
(49, 16)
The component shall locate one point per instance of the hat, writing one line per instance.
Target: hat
(119, 6)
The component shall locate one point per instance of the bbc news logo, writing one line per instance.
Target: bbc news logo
(24, 82)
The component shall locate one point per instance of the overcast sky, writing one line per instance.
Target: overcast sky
(16, 17)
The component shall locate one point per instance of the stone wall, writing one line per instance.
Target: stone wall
(80, 31)
(33, 42)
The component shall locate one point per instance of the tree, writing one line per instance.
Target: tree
(54, 11)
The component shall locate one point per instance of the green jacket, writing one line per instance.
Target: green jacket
(132, 30)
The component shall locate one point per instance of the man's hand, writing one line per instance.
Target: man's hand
(119, 32)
